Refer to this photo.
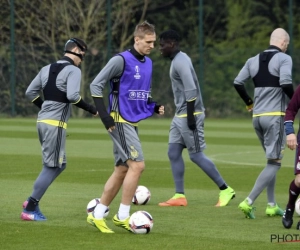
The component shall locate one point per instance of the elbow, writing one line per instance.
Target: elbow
(27, 94)
(73, 99)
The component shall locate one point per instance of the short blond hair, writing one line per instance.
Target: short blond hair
(143, 29)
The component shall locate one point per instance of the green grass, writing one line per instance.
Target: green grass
(232, 145)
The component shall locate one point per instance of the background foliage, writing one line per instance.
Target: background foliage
(233, 31)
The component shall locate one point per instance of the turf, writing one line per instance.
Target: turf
(231, 144)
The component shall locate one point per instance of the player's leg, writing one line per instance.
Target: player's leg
(130, 151)
(272, 208)
(116, 180)
(130, 183)
(111, 189)
(52, 141)
(294, 191)
(274, 144)
(246, 205)
(263, 180)
(177, 166)
(195, 143)
(274, 150)
(270, 133)
(176, 146)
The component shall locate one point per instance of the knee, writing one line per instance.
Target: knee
(192, 157)
(137, 166)
(297, 180)
(173, 156)
(198, 158)
(140, 166)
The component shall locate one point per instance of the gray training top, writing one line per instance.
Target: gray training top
(68, 80)
(113, 69)
(268, 99)
(185, 84)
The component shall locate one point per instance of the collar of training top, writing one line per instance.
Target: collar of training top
(174, 54)
(274, 47)
(137, 54)
(68, 59)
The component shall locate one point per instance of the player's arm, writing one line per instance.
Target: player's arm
(285, 74)
(73, 89)
(190, 114)
(239, 83)
(85, 106)
(33, 91)
(290, 114)
(114, 68)
(189, 85)
(159, 109)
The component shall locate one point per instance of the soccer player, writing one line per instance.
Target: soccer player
(187, 127)
(130, 75)
(292, 142)
(271, 72)
(60, 84)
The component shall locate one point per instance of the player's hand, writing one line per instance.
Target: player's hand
(191, 121)
(161, 110)
(291, 141)
(96, 114)
(109, 123)
(249, 108)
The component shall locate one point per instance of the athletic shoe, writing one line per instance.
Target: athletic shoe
(273, 211)
(225, 196)
(247, 209)
(287, 218)
(122, 223)
(175, 201)
(37, 209)
(98, 223)
(32, 216)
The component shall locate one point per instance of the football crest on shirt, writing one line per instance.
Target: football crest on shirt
(133, 152)
(137, 72)
(298, 166)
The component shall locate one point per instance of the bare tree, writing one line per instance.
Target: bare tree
(42, 28)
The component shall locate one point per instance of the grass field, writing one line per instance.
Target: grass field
(232, 145)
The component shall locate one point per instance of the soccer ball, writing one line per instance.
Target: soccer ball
(297, 206)
(92, 204)
(141, 222)
(142, 196)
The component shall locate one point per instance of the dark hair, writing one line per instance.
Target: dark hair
(171, 35)
(75, 42)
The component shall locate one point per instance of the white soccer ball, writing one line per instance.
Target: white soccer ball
(141, 222)
(297, 206)
(142, 196)
(92, 204)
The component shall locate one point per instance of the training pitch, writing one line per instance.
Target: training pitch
(231, 144)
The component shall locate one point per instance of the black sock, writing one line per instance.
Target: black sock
(294, 192)
(223, 187)
(32, 204)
